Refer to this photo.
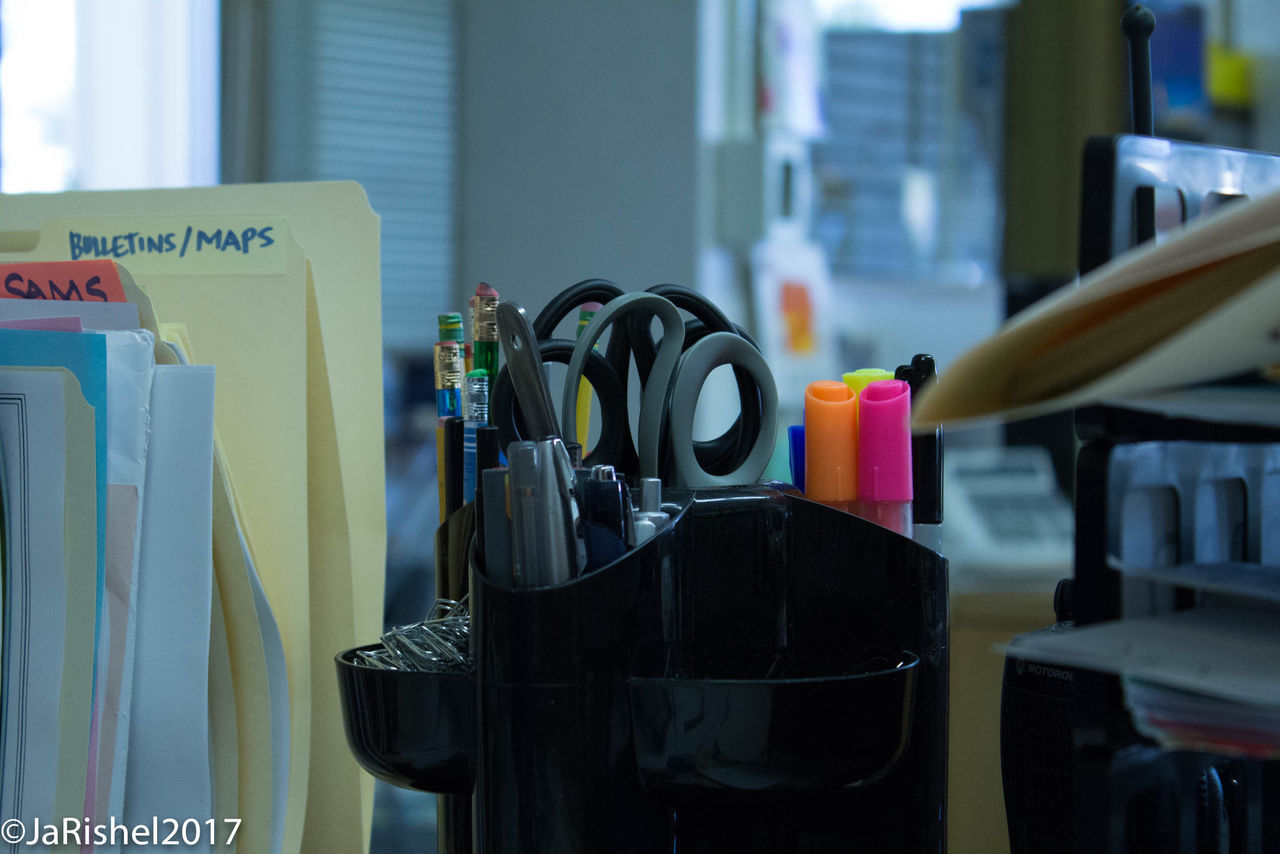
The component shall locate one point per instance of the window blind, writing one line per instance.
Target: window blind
(381, 101)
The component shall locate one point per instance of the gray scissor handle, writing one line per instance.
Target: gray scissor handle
(697, 363)
(654, 396)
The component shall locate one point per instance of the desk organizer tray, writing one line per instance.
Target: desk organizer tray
(413, 730)
(766, 674)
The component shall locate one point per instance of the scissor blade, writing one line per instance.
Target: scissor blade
(520, 347)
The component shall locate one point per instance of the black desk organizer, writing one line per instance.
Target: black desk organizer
(765, 675)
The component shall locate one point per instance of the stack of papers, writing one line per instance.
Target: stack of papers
(1193, 678)
(200, 526)
(1182, 720)
(1202, 305)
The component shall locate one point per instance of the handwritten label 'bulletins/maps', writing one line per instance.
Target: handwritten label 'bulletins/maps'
(86, 281)
(180, 242)
(248, 244)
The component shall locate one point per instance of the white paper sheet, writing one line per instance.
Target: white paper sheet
(33, 435)
(170, 703)
(1220, 652)
(130, 368)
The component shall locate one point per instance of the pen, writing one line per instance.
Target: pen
(884, 455)
(543, 513)
(585, 313)
(603, 517)
(453, 430)
(475, 399)
(650, 518)
(831, 444)
(484, 331)
(522, 462)
(926, 454)
(795, 443)
(497, 527)
(486, 448)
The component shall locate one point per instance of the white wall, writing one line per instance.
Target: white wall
(578, 145)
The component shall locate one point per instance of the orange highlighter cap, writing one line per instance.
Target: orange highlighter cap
(830, 441)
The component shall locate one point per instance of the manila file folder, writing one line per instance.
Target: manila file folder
(341, 540)
(1201, 305)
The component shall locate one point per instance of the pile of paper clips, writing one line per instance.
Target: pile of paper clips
(439, 644)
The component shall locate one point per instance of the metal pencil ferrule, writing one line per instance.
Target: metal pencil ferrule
(448, 364)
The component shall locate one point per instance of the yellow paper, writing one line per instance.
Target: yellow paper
(331, 597)
(247, 658)
(223, 732)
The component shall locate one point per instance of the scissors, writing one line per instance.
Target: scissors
(669, 394)
(671, 371)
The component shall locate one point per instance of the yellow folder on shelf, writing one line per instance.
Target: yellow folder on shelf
(1202, 305)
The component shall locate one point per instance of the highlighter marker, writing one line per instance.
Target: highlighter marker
(831, 444)
(863, 377)
(884, 455)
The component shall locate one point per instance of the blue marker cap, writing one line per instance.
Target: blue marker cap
(795, 436)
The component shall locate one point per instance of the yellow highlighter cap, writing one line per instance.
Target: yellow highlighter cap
(863, 377)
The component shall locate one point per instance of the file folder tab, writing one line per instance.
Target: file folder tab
(84, 281)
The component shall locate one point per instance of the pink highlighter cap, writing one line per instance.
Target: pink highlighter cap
(884, 441)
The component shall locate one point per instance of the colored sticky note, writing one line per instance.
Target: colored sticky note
(82, 281)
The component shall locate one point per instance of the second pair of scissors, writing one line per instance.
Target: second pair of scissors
(672, 378)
